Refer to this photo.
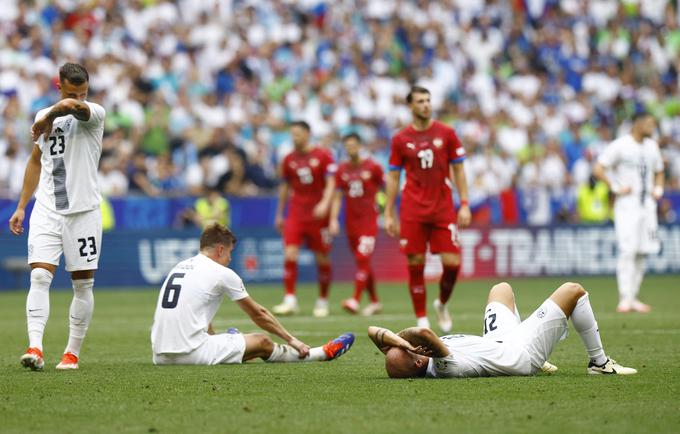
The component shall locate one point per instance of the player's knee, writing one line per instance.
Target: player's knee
(575, 289)
(502, 292)
(416, 259)
(262, 343)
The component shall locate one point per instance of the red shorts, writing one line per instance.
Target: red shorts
(362, 245)
(314, 234)
(442, 237)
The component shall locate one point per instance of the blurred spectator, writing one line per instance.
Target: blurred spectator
(112, 181)
(213, 208)
(510, 76)
(592, 202)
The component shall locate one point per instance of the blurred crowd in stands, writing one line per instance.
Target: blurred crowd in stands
(199, 93)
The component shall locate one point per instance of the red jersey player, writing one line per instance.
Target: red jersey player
(431, 155)
(358, 180)
(308, 177)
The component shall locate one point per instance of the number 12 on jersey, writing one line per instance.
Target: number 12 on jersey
(171, 291)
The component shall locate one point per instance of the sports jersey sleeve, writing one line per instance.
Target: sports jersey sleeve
(456, 150)
(330, 167)
(97, 114)
(396, 156)
(609, 156)
(233, 286)
(340, 184)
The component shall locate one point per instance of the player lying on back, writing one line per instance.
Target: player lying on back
(508, 346)
(192, 294)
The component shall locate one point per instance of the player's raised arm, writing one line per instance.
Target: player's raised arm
(31, 179)
(336, 204)
(391, 189)
(385, 339)
(67, 106)
(265, 320)
(424, 339)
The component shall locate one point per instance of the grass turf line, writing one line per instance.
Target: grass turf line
(118, 390)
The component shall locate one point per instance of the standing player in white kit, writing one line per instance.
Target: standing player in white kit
(66, 217)
(633, 168)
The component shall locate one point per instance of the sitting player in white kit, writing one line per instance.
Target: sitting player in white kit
(509, 346)
(192, 294)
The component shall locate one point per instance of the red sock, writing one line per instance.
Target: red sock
(370, 286)
(416, 286)
(361, 277)
(324, 271)
(289, 276)
(447, 281)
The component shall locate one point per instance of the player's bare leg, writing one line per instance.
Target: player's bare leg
(417, 289)
(323, 263)
(451, 266)
(80, 315)
(37, 313)
(573, 299)
(289, 306)
(260, 345)
(503, 293)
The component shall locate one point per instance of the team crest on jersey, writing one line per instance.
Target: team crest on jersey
(365, 174)
(313, 162)
(410, 145)
(438, 143)
(293, 165)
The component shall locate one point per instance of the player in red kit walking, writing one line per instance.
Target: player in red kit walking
(432, 157)
(358, 180)
(308, 178)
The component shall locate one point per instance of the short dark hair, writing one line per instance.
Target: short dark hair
(415, 89)
(301, 124)
(74, 73)
(216, 234)
(354, 136)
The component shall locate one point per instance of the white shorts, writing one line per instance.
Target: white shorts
(220, 349)
(537, 335)
(78, 236)
(637, 229)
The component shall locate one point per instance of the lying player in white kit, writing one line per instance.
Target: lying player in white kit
(192, 294)
(508, 347)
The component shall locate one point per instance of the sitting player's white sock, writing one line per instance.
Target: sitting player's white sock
(639, 273)
(625, 277)
(38, 306)
(286, 353)
(80, 314)
(584, 322)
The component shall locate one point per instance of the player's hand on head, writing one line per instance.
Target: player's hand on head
(423, 351)
(16, 222)
(300, 347)
(464, 216)
(40, 127)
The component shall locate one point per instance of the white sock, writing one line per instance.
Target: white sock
(288, 354)
(38, 306)
(584, 322)
(639, 274)
(423, 321)
(290, 299)
(625, 277)
(80, 314)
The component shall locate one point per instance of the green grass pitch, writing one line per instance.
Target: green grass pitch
(118, 390)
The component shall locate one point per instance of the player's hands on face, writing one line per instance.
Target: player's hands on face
(464, 216)
(391, 226)
(278, 223)
(16, 222)
(300, 347)
(334, 227)
(423, 351)
(42, 126)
